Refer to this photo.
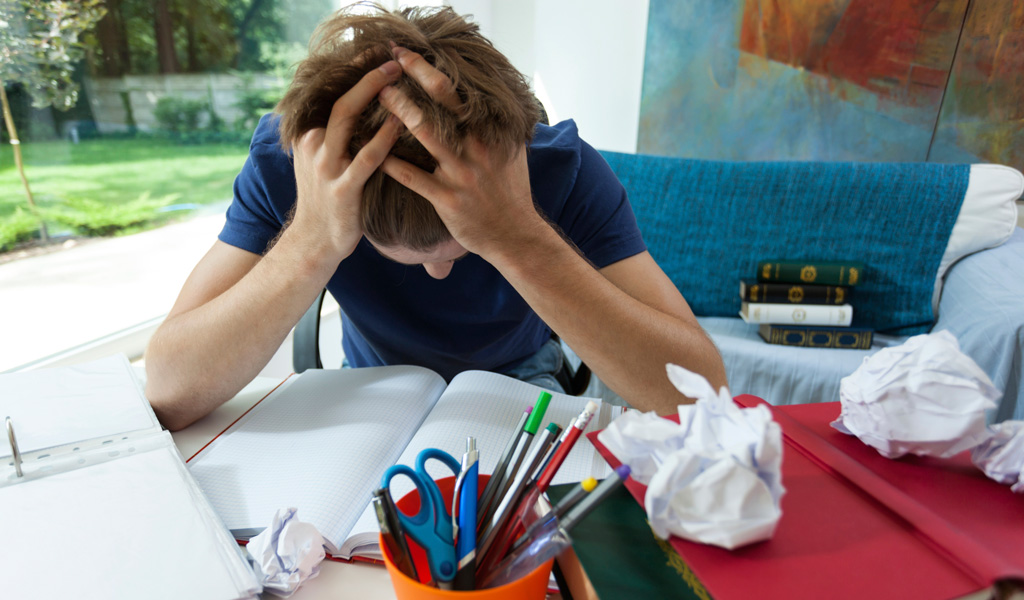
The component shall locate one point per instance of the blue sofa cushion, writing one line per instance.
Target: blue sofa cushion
(708, 223)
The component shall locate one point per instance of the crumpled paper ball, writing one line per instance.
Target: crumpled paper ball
(1001, 457)
(923, 397)
(287, 553)
(642, 441)
(716, 477)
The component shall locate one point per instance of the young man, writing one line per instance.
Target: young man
(408, 175)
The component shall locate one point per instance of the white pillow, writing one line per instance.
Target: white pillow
(987, 217)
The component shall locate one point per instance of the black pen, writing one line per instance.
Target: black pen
(391, 530)
(515, 461)
(499, 470)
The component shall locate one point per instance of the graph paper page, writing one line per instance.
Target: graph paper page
(319, 445)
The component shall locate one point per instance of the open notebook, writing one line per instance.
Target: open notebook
(321, 442)
(105, 506)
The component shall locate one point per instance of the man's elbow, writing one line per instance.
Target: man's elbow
(168, 408)
(172, 401)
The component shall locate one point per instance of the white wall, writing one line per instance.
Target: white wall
(585, 59)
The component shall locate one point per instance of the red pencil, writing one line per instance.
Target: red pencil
(572, 434)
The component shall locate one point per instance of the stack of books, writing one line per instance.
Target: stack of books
(804, 303)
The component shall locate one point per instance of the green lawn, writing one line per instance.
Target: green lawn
(119, 171)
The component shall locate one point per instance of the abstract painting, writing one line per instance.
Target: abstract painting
(859, 80)
(983, 111)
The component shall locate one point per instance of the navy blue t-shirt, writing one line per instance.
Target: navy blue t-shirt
(472, 319)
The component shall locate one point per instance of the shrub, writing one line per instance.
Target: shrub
(253, 104)
(93, 218)
(20, 226)
(179, 115)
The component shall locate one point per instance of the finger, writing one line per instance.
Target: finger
(372, 155)
(412, 177)
(308, 143)
(406, 110)
(435, 83)
(347, 109)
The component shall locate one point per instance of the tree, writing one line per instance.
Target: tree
(111, 34)
(40, 43)
(163, 26)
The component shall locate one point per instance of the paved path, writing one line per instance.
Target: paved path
(56, 301)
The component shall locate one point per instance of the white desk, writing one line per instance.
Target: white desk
(336, 580)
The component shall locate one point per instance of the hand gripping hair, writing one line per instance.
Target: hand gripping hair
(497, 107)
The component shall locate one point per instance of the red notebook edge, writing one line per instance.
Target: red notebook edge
(946, 539)
(239, 418)
(943, 540)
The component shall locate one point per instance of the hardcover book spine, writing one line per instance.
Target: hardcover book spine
(825, 273)
(801, 314)
(817, 337)
(796, 293)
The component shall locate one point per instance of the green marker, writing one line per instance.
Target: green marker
(537, 414)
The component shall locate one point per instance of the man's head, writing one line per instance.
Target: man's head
(497, 106)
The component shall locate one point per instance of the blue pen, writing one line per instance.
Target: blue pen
(465, 528)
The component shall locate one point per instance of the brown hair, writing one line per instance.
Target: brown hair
(497, 105)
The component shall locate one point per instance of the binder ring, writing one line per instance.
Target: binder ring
(14, 447)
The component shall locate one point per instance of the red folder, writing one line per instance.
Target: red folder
(858, 525)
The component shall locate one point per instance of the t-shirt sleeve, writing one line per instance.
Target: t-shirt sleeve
(264, 192)
(597, 215)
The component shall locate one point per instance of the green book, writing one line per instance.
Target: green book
(793, 293)
(621, 555)
(848, 273)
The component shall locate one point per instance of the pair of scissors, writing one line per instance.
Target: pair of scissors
(431, 527)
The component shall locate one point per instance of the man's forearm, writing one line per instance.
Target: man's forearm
(624, 341)
(202, 356)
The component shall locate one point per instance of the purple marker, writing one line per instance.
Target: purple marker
(584, 506)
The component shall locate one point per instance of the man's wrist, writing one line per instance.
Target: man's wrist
(309, 252)
(539, 241)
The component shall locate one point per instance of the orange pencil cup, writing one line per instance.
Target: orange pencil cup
(533, 586)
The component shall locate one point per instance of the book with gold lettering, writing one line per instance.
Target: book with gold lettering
(845, 273)
(796, 314)
(793, 293)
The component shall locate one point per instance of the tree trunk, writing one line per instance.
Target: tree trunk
(124, 50)
(108, 33)
(16, 146)
(192, 50)
(164, 29)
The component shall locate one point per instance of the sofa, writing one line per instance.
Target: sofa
(939, 243)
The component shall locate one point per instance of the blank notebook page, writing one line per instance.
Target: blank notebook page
(318, 445)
